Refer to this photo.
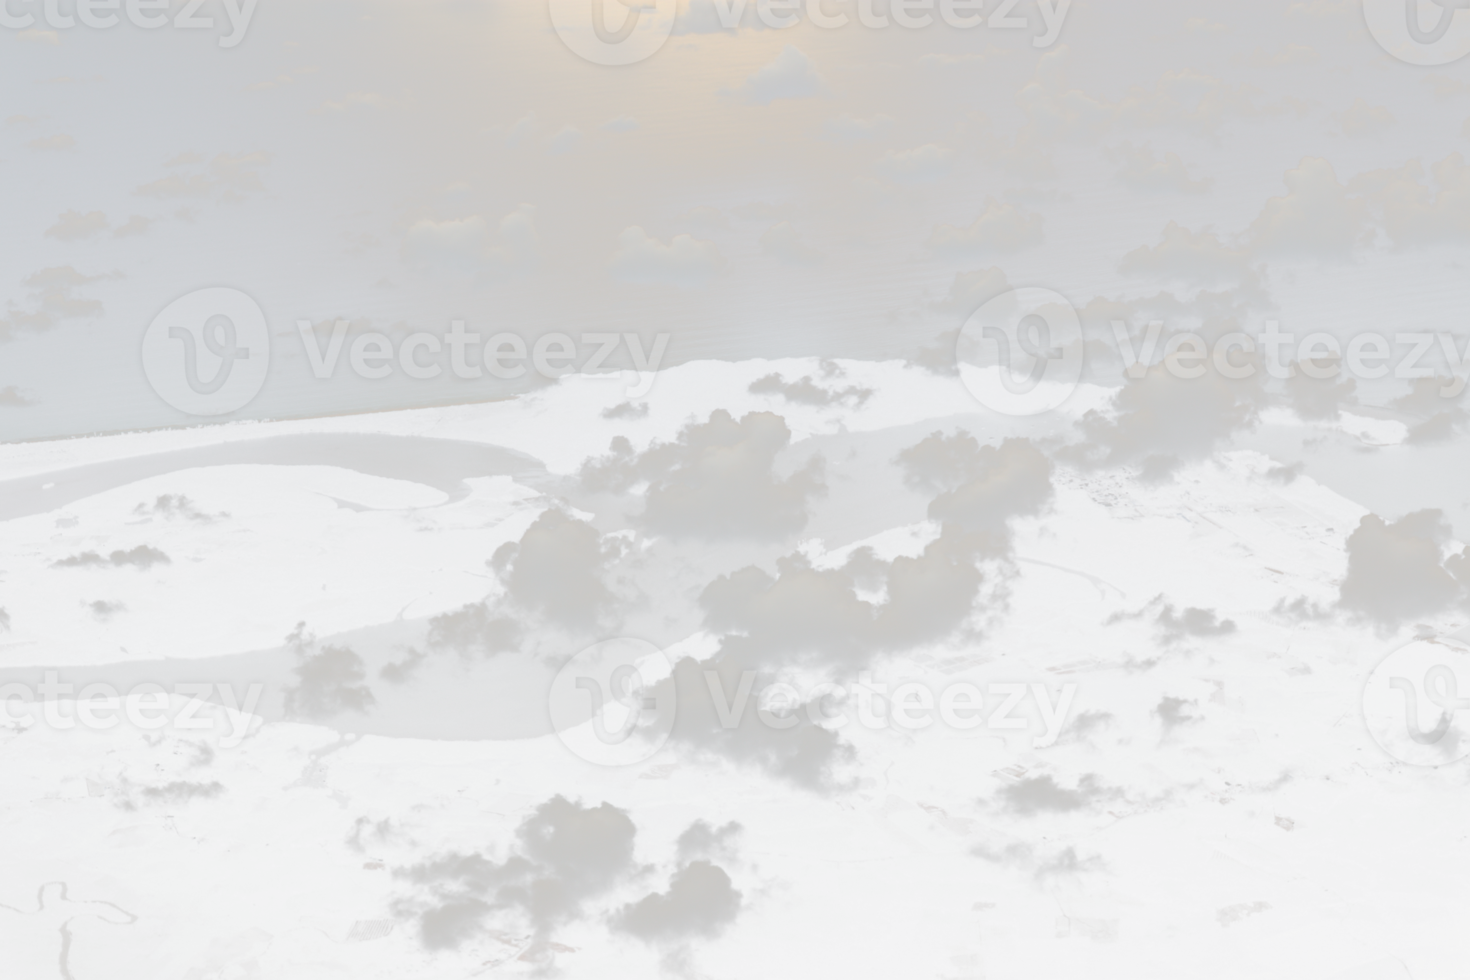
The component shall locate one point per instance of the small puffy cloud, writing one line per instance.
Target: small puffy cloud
(1143, 171)
(135, 225)
(1196, 257)
(1446, 87)
(468, 245)
(360, 106)
(1002, 228)
(51, 143)
(971, 290)
(1319, 398)
(1158, 421)
(804, 754)
(53, 294)
(700, 901)
(73, 226)
(566, 140)
(555, 576)
(1085, 726)
(626, 410)
(13, 397)
(685, 261)
(700, 840)
(143, 557)
(1291, 55)
(781, 241)
(791, 76)
(1284, 475)
(1442, 416)
(178, 507)
(557, 569)
(103, 611)
(807, 614)
(806, 391)
(229, 177)
(457, 190)
(1042, 794)
(981, 487)
(717, 480)
(130, 797)
(1413, 211)
(1175, 716)
(849, 128)
(515, 132)
(1316, 217)
(1040, 867)
(920, 165)
(1175, 628)
(369, 836)
(50, 38)
(565, 855)
(1362, 119)
(703, 219)
(329, 679)
(1396, 571)
(939, 357)
(622, 124)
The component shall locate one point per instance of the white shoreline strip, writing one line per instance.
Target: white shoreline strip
(347, 413)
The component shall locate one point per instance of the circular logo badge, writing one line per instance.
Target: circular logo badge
(1417, 701)
(208, 352)
(608, 706)
(1420, 32)
(613, 32)
(1021, 353)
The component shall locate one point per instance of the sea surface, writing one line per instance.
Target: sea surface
(474, 63)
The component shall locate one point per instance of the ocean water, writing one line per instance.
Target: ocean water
(475, 63)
